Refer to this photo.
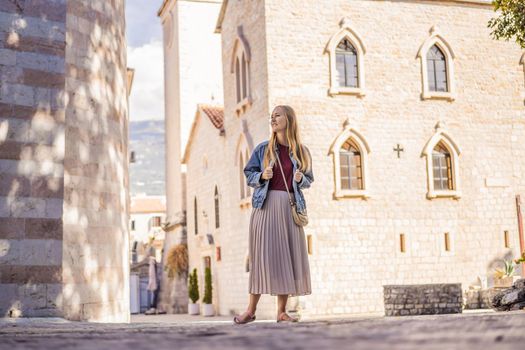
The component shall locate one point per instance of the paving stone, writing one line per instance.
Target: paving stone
(457, 331)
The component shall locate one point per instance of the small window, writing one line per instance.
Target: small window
(402, 243)
(506, 239)
(351, 166)
(447, 242)
(346, 64)
(437, 70)
(442, 168)
(132, 225)
(218, 253)
(207, 262)
(309, 241)
(155, 221)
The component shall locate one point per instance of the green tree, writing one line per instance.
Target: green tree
(207, 286)
(193, 288)
(511, 22)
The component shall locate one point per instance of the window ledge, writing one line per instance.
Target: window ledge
(437, 95)
(243, 105)
(337, 90)
(444, 194)
(363, 194)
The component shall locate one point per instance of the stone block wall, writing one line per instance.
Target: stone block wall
(290, 66)
(63, 160)
(427, 299)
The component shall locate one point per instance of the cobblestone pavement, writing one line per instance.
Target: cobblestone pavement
(460, 331)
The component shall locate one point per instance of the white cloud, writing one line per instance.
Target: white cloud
(147, 93)
(142, 23)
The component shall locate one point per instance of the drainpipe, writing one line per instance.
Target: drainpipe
(520, 230)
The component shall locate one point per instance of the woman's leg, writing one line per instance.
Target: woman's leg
(249, 314)
(281, 309)
(254, 299)
(282, 299)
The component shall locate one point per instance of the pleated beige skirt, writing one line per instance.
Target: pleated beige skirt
(277, 249)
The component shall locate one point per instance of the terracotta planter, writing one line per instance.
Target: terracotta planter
(207, 310)
(505, 282)
(193, 309)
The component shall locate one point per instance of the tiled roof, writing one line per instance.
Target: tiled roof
(147, 205)
(216, 115)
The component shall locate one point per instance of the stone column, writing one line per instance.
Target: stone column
(63, 160)
(173, 296)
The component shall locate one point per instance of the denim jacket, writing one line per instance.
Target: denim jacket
(254, 169)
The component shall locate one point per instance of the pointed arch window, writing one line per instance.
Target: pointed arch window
(350, 156)
(347, 56)
(195, 216)
(242, 179)
(216, 202)
(242, 156)
(351, 166)
(238, 80)
(437, 68)
(248, 188)
(442, 160)
(240, 66)
(346, 64)
(442, 168)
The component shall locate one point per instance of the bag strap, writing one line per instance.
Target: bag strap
(284, 178)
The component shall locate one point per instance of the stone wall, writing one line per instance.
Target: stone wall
(356, 241)
(427, 299)
(63, 160)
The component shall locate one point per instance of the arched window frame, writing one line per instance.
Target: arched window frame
(242, 154)
(346, 32)
(360, 142)
(240, 68)
(435, 38)
(444, 137)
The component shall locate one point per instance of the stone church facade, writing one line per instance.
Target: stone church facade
(415, 120)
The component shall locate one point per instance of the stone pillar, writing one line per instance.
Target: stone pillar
(63, 160)
(174, 297)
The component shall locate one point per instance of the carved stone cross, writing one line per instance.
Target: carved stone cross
(397, 149)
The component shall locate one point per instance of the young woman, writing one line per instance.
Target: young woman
(277, 248)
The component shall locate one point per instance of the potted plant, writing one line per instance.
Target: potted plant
(504, 278)
(206, 301)
(193, 293)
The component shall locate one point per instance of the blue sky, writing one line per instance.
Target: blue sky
(144, 36)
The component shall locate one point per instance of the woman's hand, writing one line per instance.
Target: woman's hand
(268, 173)
(298, 176)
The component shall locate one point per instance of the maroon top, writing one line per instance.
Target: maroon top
(277, 182)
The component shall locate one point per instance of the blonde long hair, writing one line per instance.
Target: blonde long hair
(294, 141)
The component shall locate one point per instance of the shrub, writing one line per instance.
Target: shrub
(193, 288)
(207, 286)
(177, 260)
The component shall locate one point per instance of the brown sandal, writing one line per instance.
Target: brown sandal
(291, 319)
(248, 319)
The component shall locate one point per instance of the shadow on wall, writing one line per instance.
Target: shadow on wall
(63, 162)
(499, 262)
